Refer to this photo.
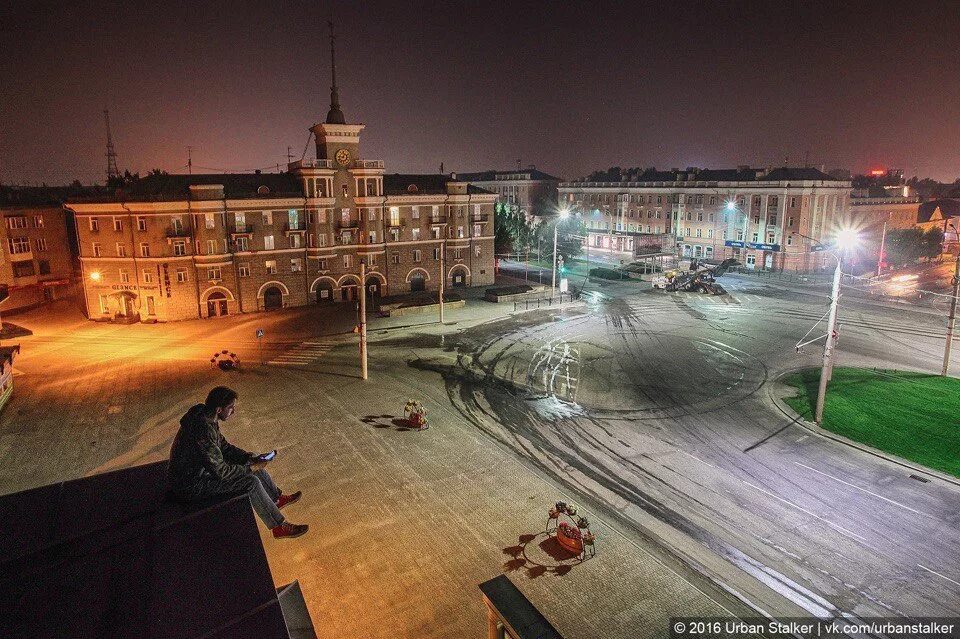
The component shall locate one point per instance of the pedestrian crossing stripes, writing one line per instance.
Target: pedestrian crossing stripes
(304, 353)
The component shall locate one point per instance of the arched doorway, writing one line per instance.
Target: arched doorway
(272, 298)
(417, 283)
(217, 305)
(458, 277)
(324, 291)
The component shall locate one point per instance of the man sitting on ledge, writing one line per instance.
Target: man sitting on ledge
(203, 464)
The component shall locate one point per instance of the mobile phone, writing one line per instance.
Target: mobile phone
(267, 456)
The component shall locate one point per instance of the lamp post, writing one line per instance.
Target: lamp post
(951, 323)
(561, 215)
(845, 239)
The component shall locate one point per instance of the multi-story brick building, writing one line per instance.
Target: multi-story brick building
(36, 258)
(175, 247)
(758, 216)
(533, 192)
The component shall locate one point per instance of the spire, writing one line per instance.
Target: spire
(334, 115)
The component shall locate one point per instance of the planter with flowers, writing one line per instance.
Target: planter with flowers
(572, 532)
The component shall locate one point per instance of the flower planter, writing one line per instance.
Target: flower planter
(568, 541)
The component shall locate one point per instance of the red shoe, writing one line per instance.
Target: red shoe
(286, 530)
(284, 500)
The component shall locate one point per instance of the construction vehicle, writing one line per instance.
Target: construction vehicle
(702, 279)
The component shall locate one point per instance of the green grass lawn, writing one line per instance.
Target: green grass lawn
(912, 415)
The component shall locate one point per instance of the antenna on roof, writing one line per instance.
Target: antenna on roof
(112, 170)
(518, 164)
(441, 168)
(190, 160)
(289, 156)
(335, 114)
(806, 159)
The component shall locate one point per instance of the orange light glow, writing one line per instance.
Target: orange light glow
(878, 172)
(95, 276)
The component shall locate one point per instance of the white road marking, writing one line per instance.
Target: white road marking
(839, 528)
(304, 353)
(939, 575)
(895, 503)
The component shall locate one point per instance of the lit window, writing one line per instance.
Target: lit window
(147, 276)
(117, 224)
(296, 264)
(124, 276)
(271, 266)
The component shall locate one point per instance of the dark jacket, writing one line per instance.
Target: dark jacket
(202, 462)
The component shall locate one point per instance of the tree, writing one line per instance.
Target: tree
(932, 243)
(904, 246)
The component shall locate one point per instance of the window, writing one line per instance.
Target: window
(457, 254)
(700, 216)
(271, 266)
(793, 202)
(477, 230)
(38, 221)
(268, 218)
(19, 222)
(395, 257)
(699, 233)
(371, 260)
(104, 308)
(141, 224)
(44, 267)
(94, 224)
(295, 240)
(415, 213)
(293, 218)
(147, 276)
(211, 247)
(416, 233)
(96, 249)
(347, 262)
(771, 238)
(710, 233)
(243, 270)
(124, 276)
(659, 199)
(267, 242)
(774, 201)
(180, 247)
(176, 224)
(436, 254)
(296, 264)
(322, 265)
(394, 216)
(41, 243)
(240, 219)
(756, 238)
(773, 220)
(117, 224)
(416, 255)
(371, 215)
(713, 199)
(789, 221)
(476, 250)
(121, 250)
(23, 269)
(209, 221)
(751, 260)
(372, 237)
(789, 240)
(181, 275)
(322, 239)
(436, 232)
(242, 244)
(214, 274)
(395, 235)
(344, 217)
(739, 235)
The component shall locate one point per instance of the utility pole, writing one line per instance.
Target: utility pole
(883, 238)
(828, 346)
(554, 282)
(951, 323)
(363, 320)
(443, 277)
(190, 160)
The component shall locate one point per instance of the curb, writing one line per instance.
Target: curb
(817, 430)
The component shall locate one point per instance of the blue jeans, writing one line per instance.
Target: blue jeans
(263, 494)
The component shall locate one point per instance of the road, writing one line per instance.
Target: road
(657, 407)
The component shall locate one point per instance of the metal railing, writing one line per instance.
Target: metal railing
(805, 277)
(242, 229)
(546, 302)
(438, 219)
(367, 164)
(311, 164)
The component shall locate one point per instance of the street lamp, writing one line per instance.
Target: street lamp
(95, 276)
(846, 239)
(951, 323)
(563, 214)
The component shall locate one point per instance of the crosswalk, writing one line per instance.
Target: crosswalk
(304, 353)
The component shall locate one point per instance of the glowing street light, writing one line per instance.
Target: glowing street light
(847, 238)
(563, 214)
(731, 206)
(95, 276)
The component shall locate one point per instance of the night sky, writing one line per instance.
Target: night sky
(567, 86)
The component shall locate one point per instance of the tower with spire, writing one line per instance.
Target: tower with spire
(337, 141)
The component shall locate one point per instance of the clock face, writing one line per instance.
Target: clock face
(343, 157)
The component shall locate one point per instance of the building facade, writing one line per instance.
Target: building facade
(531, 191)
(36, 261)
(874, 217)
(765, 218)
(175, 247)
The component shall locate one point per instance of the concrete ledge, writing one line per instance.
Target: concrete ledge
(778, 391)
(423, 308)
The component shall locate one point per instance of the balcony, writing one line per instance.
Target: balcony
(346, 239)
(348, 224)
(173, 232)
(396, 224)
(242, 229)
(310, 164)
(483, 217)
(438, 219)
(366, 164)
(289, 229)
